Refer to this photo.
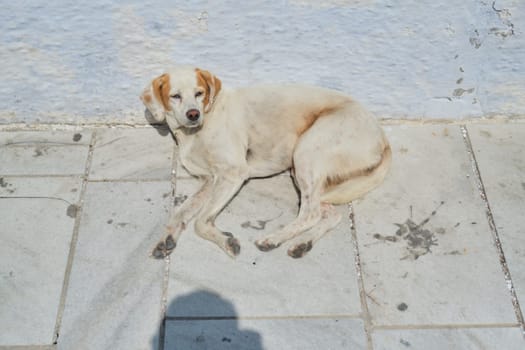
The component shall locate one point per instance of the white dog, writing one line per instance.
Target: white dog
(335, 149)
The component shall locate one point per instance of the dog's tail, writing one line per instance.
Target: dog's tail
(359, 183)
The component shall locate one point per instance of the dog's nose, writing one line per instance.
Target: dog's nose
(193, 114)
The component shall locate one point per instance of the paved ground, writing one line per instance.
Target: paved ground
(433, 259)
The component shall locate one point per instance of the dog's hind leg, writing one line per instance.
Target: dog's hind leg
(304, 243)
(309, 211)
(328, 147)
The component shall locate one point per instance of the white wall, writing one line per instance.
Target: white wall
(72, 61)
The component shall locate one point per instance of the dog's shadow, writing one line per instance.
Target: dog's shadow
(161, 127)
(203, 320)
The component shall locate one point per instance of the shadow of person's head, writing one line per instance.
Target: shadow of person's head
(204, 320)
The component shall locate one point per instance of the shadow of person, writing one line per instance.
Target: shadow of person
(204, 320)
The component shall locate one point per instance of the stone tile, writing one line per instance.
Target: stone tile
(115, 289)
(265, 284)
(35, 234)
(56, 138)
(44, 152)
(426, 248)
(62, 188)
(500, 153)
(132, 154)
(268, 334)
(450, 339)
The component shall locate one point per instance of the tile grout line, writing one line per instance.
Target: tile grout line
(37, 176)
(166, 277)
(362, 293)
(138, 180)
(493, 228)
(385, 119)
(349, 317)
(27, 347)
(43, 144)
(164, 303)
(269, 317)
(74, 239)
(447, 326)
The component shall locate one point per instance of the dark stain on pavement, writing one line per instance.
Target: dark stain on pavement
(6, 185)
(257, 225)
(419, 239)
(72, 211)
(402, 307)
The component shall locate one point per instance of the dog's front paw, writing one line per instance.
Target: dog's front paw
(233, 248)
(300, 250)
(164, 247)
(266, 245)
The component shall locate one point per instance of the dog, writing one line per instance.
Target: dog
(335, 149)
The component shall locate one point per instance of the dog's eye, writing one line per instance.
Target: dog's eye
(176, 96)
(198, 93)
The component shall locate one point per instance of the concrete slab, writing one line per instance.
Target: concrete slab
(36, 230)
(44, 153)
(132, 154)
(65, 189)
(265, 284)
(115, 289)
(450, 339)
(426, 247)
(500, 153)
(53, 138)
(267, 334)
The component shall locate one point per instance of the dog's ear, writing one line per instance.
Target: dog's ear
(212, 87)
(156, 97)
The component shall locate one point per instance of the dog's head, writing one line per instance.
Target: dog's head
(182, 96)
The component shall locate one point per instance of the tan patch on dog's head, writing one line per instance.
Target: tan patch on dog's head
(211, 85)
(161, 89)
(146, 98)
